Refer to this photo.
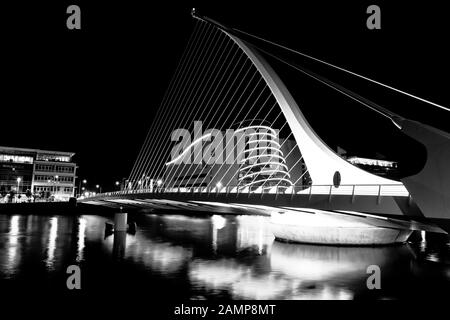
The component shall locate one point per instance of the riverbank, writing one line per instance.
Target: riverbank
(51, 208)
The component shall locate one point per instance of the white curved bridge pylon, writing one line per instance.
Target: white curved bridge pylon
(321, 161)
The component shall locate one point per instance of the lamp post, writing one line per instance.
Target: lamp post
(84, 181)
(117, 183)
(99, 188)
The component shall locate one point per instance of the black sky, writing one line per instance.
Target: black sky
(95, 91)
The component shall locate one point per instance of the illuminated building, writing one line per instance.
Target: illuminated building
(384, 168)
(43, 174)
(263, 162)
(256, 158)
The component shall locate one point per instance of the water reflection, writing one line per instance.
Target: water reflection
(155, 255)
(294, 271)
(81, 238)
(217, 222)
(51, 246)
(163, 258)
(13, 246)
(223, 256)
(209, 236)
(119, 244)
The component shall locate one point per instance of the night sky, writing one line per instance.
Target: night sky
(95, 91)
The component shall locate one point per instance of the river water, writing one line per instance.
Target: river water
(231, 257)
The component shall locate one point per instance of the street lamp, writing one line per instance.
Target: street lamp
(79, 186)
(97, 186)
(117, 183)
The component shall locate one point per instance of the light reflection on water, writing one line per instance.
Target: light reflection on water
(81, 238)
(218, 256)
(51, 246)
(13, 244)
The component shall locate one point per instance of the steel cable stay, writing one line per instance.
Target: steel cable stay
(161, 110)
(218, 108)
(203, 110)
(340, 68)
(289, 171)
(288, 154)
(200, 37)
(198, 70)
(237, 102)
(224, 137)
(243, 136)
(196, 94)
(199, 93)
(240, 110)
(202, 104)
(198, 107)
(156, 169)
(262, 91)
(234, 93)
(366, 102)
(245, 117)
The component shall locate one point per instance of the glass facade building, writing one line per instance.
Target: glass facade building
(36, 175)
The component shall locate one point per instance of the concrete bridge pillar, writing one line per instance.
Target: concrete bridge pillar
(120, 221)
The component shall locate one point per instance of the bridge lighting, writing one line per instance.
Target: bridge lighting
(97, 186)
(219, 185)
(56, 177)
(159, 182)
(84, 181)
(117, 183)
(83, 188)
(86, 194)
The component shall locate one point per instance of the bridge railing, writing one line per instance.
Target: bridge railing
(378, 190)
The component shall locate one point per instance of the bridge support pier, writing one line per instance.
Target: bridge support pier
(120, 221)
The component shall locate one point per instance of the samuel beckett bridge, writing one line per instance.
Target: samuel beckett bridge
(229, 138)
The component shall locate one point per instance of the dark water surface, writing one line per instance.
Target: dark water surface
(235, 257)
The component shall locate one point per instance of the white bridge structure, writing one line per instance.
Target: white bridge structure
(223, 80)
